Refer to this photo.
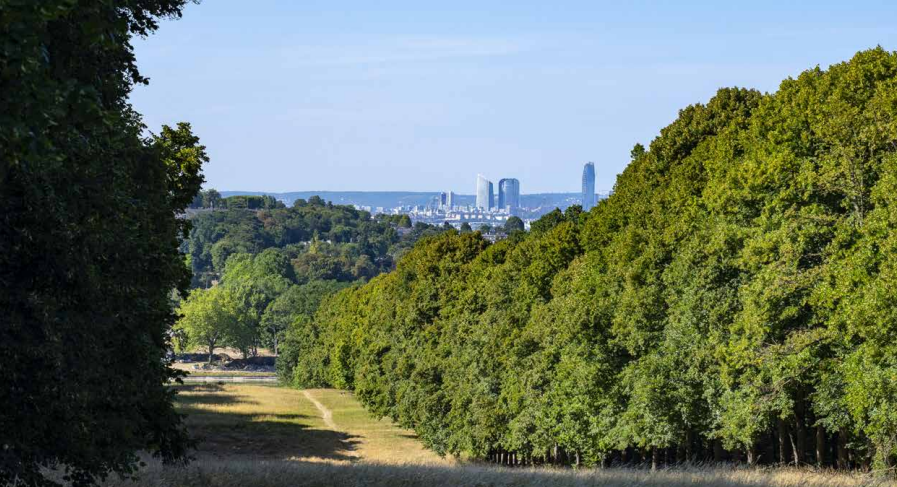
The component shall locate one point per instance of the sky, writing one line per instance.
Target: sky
(347, 95)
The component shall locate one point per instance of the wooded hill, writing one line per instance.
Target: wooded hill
(733, 299)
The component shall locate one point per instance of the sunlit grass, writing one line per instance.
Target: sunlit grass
(379, 440)
(295, 474)
(264, 436)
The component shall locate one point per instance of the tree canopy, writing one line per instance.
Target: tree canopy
(88, 244)
(731, 300)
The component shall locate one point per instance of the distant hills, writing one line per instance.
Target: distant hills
(392, 199)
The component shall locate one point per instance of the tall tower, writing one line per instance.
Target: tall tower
(509, 195)
(491, 197)
(450, 200)
(588, 186)
(485, 197)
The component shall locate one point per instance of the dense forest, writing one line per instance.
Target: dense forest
(259, 266)
(734, 299)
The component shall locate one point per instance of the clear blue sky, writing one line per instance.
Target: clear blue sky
(405, 95)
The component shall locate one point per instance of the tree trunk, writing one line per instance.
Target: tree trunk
(782, 433)
(654, 457)
(749, 452)
(718, 453)
(820, 446)
(801, 440)
(794, 449)
(843, 464)
(211, 351)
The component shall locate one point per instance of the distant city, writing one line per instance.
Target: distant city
(484, 207)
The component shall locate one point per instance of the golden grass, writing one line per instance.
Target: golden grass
(239, 421)
(301, 474)
(378, 440)
(263, 436)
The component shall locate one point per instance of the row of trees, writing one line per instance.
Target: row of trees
(733, 299)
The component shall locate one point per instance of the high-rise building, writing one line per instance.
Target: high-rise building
(450, 200)
(509, 195)
(485, 198)
(588, 186)
(491, 197)
(442, 198)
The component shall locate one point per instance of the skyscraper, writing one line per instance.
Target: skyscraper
(588, 186)
(485, 198)
(491, 197)
(442, 198)
(509, 195)
(450, 200)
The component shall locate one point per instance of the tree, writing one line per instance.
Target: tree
(88, 244)
(486, 228)
(211, 198)
(404, 221)
(514, 224)
(465, 228)
(211, 318)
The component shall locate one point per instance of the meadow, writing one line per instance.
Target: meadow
(267, 436)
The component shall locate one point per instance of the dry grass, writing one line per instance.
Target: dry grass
(243, 421)
(300, 474)
(378, 440)
(262, 436)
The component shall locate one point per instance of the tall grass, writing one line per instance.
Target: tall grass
(217, 473)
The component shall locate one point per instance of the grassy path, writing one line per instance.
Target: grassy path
(259, 422)
(326, 414)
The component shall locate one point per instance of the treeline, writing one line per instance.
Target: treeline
(259, 272)
(733, 300)
(322, 240)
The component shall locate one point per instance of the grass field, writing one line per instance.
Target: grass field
(266, 436)
(275, 423)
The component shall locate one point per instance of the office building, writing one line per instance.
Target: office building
(509, 195)
(588, 186)
(450, 200)
(485, 198)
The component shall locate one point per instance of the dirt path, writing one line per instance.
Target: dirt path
(326, 414)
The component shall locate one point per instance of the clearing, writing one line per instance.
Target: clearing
(264, 436)
(253, 422)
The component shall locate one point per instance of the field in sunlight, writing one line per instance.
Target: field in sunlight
(217, 473)
(258, 422)
(265, 436)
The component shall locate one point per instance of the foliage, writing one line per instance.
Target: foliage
(731, 300)
(88, 244)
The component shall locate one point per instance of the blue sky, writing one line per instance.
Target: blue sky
(402, 95)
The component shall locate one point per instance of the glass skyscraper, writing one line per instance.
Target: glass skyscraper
(509, 195)
(485, 193)
(588, 186)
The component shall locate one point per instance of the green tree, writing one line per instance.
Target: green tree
(88, 244)
(514, 224)
(211, 318)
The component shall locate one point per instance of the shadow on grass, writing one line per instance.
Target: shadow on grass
(234, 433)
(301, 473)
